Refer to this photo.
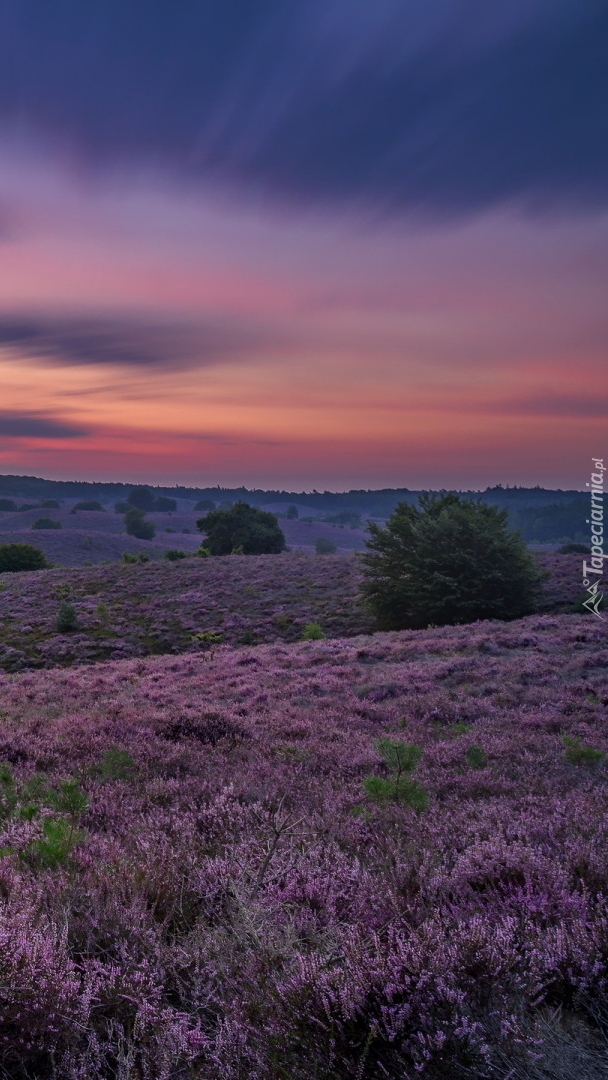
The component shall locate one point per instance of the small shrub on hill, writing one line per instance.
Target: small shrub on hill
(121, 507)
(28, 506)
(578, 754)
(46, 523)
(175, 554)
(164, 505)
(313, 631)
(205, 505)
(137, 525)
(447, 561)
(50, 504)
(325, 546)
(67, 620)
(17, 557)
(401, 759)
(87, 504)
(7, 504)
(476, 757)
(140, 557)
(292, 512)
(573, 548)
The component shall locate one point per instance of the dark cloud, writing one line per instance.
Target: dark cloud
(126, 343)
(449, 105)
(33, 425)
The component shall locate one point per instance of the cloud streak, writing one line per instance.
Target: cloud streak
(449, 107)
(132, 344)
(30, 425)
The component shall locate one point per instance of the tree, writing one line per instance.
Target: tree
(449, 560)
(16, 557)
(136, 524)
(164, 505)
(243, 528)
(141, 498)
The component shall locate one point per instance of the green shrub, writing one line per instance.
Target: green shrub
(476, 757)
(50, 504)
(325, 546)
(46, 523)
(137, 525)
(292, 512)
(578, 754)
(175, 554)
(18, 557)
(205, 505)
(60, 832)
(116, 764)
(88, 504)
(313, 631)
(573, 548)
(253, 530)
(138, 557)
(401, 760)
(164, 505)
(208, 637)
(450, 560)
(67, 619)
(121, 507)
(7, 504)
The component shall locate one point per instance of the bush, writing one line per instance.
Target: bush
(292, 512)
(254, 531)
(573, 548)
(121, 507)
(324, 546)
(46, 523)
(448, 561)
(164, 505)
(313, 631)
(175, 554)
(88, 504)
(400, 760)
(7, 504)
(17, 557)
(579, 754)
(67, 619)
(140, 557)
(205, 504)
(136, 524)
(28, 506)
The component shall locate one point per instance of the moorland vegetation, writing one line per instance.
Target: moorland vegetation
(301, 850)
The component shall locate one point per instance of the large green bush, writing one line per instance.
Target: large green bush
(15, 557)
(242, 528)
(448, 560)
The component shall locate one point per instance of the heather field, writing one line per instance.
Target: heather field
(199, 881)
(127, 611)
(89, 537)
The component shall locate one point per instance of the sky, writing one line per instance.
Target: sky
(304, 244)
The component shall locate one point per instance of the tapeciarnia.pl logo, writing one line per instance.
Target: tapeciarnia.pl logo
(596, 521)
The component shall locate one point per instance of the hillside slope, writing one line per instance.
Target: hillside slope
(161, 607)
(228, 902)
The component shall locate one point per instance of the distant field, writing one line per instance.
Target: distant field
(126, 611)
(89, 537)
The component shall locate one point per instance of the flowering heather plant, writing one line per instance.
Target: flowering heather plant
(131, 610)
(223, 913)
